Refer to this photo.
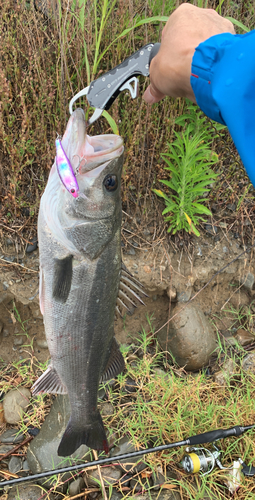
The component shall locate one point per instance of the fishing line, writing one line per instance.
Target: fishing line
(206, 437)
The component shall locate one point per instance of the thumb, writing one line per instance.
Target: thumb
(152, 95)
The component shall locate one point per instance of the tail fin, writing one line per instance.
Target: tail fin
(93, 435)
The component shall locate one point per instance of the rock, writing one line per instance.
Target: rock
(15, 465)
(2, 420)
(244, 337)
(248, 363)
(107, 409)
(28, 492)
(222, 376)
(240, 299)
(14, 404)
(125, 446)
(76, 486)
(109, 474)
(164, 495)
(4, 448)
(114, 496)
(248, 281)
(42, 343)
(12, 436)
(42, 451)
(172, 294)
(125, 480)
(18, 340)
(157, 480)
(131, 251)
(140, 483)
(25, 465)
(185, 295)
(32, 246)
(191, 339)
(130, 386)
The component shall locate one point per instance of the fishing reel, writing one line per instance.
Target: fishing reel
(204, 461)
(200, 460)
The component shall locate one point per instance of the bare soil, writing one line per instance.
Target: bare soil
(159, 268)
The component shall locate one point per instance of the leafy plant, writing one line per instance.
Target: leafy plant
(188, 161)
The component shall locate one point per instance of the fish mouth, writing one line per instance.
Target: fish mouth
(86, 152)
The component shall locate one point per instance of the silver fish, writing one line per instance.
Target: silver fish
(82, 280)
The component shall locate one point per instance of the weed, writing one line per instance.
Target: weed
(188, 161)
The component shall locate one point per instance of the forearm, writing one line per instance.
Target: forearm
(223, 81)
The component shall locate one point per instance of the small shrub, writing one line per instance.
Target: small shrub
(189, 161)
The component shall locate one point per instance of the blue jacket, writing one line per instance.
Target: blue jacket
(223, 81)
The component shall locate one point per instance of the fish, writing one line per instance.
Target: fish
(83, 282)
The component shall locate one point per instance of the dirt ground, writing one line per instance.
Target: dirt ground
(158, 268)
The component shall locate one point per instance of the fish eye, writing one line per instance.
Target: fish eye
(110, 182)
(72, 190)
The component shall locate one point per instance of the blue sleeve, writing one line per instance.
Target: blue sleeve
(223, 81)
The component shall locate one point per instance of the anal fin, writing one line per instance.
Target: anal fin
(115, 364)
(49, 382)
(63, 273)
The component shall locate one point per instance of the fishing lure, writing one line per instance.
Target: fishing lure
(65, 170)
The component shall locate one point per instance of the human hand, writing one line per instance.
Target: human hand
(185, 29)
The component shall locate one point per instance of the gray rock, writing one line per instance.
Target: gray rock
(248, 281)
(15, 465)
(14, 404)
(28, 492)
(185, 295)
(42, 343)
(191, 339)
(114, 496)
(164, 495)
(76, 486)
(12, 436)
(42, 451)
(248, 363)
(25, 465)
(4, 448)
(107, 409)
(130, 464)
(140, 483)
(222, 376)
(109, 474)
(157, 480)
(18, 340)
(131, 251)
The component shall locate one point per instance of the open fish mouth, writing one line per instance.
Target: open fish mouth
(86, 152)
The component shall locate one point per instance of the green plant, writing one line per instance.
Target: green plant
(189, 162)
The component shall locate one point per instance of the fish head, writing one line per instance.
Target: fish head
(97, 162)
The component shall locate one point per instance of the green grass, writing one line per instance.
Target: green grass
(164, 408)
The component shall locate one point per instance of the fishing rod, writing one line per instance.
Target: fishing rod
(206, 437)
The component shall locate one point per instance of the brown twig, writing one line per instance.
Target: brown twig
(100, 477)
(16, 448)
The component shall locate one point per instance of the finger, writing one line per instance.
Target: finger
(152, 95)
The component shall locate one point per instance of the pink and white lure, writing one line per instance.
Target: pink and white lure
(65, 170)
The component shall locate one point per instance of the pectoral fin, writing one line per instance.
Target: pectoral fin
(116, 363)
(63, 273)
